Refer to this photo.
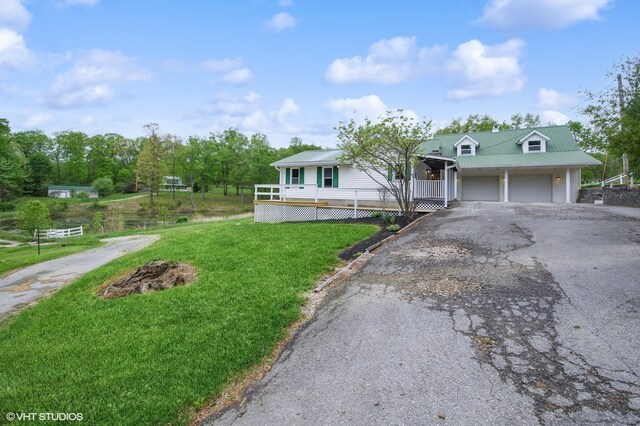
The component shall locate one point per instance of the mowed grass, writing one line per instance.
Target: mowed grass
(18, 257)
(155, 358)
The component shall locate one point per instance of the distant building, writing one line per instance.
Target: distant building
(171, 183)
(70, 191)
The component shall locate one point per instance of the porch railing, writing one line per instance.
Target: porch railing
(428, 189)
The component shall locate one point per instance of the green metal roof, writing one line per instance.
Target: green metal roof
(310, 158)
(501, 149)
(71, 188)
(537, 159)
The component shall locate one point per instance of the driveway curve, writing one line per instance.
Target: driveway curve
(485, 314)
(29, 284)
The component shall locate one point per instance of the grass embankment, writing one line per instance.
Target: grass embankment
(154, 358)
(18, 257)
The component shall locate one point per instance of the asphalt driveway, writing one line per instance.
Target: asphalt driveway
(27, 285)
(489, 313)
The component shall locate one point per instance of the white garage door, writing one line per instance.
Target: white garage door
(533, 188)
(481, 188)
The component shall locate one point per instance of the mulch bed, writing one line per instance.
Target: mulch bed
(354, 251)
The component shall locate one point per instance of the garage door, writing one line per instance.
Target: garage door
(481, 188)
(533, 188)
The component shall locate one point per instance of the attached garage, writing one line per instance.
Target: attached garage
(481, 188)
(531, 188)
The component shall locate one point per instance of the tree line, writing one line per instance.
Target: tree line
(31, 160)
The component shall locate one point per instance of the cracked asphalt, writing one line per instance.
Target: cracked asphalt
(489, 313)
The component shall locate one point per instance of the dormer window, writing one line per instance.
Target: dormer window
(535, 146)
(534, 142)
(466, 146)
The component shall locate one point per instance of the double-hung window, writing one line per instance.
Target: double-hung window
(465, 150)
(327, 177)
(295, 176)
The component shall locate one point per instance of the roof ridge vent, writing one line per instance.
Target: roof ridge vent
(496, 128)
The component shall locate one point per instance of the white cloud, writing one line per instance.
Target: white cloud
(239, 76)
(221, 65)
(479, 70)
(544, 14)
(288, 108)
(248, 114)
(281, 21)
(234, 72)
(554, 117)
(14, 15)
(551, 99)
(358, 108)
(37, 120)
(13, 51)
(90, 79)
(389, 61)
(79, 3)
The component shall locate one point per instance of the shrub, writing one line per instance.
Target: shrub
(393, 228)
(97, 206)
(97, 221)
(163, 214)
(82, 194)
(388, 218)
(7, 207)
(59, 206)
(376, 214)
(104, 186)
(182, 219)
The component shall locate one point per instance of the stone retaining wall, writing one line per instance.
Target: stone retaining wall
(616, 196)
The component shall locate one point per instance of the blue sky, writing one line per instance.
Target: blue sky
(296, 68)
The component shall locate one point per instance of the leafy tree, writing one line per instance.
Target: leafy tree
(614, 113)
(386, 152)
(104, 186)
(34, 215)
(192, 163)
(485, 123)
(39, 169)
(100, 158)
(231, 145)
(11, 164)
(260, 155)
(73, 149)
(150, 159)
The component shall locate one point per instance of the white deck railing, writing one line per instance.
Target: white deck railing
(428, 189)
(312, 192)
(59, 233)
(432, 189)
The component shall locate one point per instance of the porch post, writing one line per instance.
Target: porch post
(506, 185)
(567, 182)
(455, 185)
(446, 187)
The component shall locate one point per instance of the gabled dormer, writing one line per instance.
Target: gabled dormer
(466, 146)
(534, 142)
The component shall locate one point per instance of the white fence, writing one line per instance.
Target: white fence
(59, 233)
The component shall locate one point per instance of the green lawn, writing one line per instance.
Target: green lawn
(18, 257)
(155, 358)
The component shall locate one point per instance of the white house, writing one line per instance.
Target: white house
(530, 165)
